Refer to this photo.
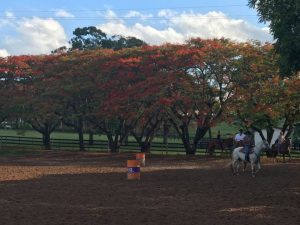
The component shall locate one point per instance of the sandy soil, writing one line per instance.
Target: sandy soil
(91, 189)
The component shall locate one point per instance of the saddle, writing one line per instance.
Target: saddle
(242, 150)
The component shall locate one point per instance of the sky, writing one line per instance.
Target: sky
(38, 27)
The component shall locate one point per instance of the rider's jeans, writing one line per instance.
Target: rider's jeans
(246, 148)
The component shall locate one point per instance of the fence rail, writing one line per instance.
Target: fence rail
(99, 145)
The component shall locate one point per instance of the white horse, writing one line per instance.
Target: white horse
(238, 156)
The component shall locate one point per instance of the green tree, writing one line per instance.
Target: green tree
(93, 38)
(89, 38)
(120, 42)
(284, 19)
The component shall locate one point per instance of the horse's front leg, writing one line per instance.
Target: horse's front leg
(253, 169)
(258, 167)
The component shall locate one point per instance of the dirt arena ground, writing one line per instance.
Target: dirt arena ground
(91, 189)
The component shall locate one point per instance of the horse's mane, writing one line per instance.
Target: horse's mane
(259, 146)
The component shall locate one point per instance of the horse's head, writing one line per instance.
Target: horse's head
(266, 145)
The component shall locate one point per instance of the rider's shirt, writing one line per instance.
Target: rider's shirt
(239, 137)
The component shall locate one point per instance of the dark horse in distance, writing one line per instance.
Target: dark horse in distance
(283, 149)
(225, 145)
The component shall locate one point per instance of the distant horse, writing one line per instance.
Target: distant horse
(223, 144)
(238, 156)
(284, 149)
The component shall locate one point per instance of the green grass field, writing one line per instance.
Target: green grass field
(23, 150)
(35, 134)
(225, 129)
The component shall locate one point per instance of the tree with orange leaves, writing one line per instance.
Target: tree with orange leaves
(204, 74)
(27, 93)
(265, 100)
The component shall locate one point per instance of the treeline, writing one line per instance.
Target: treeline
(137, 91)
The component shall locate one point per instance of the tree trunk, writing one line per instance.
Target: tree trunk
(126, 139)
(290, 131)
(189, 150)
(166, 130)
(80, 134)
(200, 133)
(114, 145)
(91, 137)
(270, 132)
(259, 132)
(145, 146)
(46, 140)
(183, 133)
(209, 133)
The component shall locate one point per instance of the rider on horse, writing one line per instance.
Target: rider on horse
(280, 141)
(245, 140)
(248, 143)
(238, 139)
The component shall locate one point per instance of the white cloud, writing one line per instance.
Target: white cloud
(167, 13)
(146, 33)
(5, 22)
(3, 53)
(110, 15)
(217, 24)
(181, 27)
(36, 36)
(132, 14)
(63, 13)
(267, 29)
(9, 14)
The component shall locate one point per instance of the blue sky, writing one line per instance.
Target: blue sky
(37, 27)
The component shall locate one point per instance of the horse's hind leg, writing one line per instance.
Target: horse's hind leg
(235, 167)
(245, 165)
(232, 167)
(258, 167)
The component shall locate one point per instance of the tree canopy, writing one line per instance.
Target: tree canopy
(284, 19)
(93, 38)
(135, 91)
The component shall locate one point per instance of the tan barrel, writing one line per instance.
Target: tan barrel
(133, 170)
(141, 157)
